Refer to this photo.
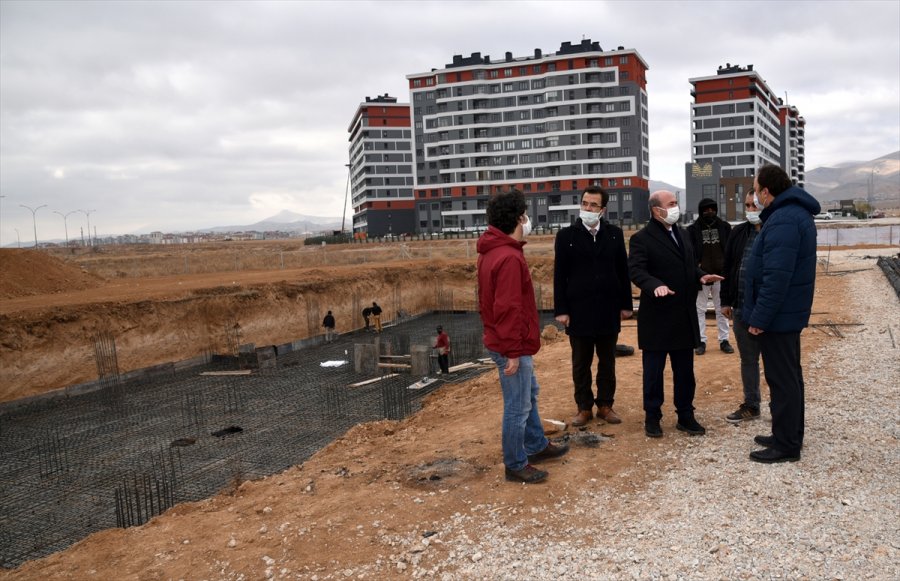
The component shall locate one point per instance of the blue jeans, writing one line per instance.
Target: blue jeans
(523, 433)
(748, 347)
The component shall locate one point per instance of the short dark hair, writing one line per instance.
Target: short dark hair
(504, 209)
(773, 178)
(594, 190)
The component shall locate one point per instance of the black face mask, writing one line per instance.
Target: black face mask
(710, 219)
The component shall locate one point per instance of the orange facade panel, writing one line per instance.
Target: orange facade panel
(730, 94)
(391, 205)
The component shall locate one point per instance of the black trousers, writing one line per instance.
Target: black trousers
(583, 349)
(784, 374)
(444, 362)
(683, 378)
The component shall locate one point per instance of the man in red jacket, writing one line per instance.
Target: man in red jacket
(512, 335)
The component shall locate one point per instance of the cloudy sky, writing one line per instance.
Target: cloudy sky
(180, 115)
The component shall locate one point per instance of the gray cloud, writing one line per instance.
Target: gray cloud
(178, 115)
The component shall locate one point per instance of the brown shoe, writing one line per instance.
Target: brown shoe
(582, 418)
(607, 413)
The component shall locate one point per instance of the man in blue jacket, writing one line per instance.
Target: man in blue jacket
(778, 297)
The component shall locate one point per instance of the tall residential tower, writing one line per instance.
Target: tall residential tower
(738, 125)
(381, 178)
(550, 125)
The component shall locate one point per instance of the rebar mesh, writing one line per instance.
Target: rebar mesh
(69, 467)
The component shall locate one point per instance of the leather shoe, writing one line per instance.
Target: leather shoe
(767, 441)
(551, 451)
(691, 426)
(773, 456)
(529, 475)
(701, 349)
(607, 413)
(726, 346)
(582, 418)
(653, 429)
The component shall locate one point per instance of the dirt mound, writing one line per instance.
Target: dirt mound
(32, 272)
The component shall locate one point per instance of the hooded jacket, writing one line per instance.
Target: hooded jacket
(709, 240)
(781, 267)
(506, 296)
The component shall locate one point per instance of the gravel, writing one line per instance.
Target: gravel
(710, 513)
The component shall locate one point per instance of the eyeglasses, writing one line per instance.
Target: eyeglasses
(750, 205)
(591, 206)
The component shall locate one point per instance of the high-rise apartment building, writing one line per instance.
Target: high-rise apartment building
(550, 125)
(738, 124)
(381, 168)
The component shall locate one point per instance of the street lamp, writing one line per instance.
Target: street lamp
(34, 219)
(88, 214)
(18, 240)
(65, 223)
(346, 194)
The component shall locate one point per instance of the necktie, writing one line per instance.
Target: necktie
(594, 232)
(672, 233)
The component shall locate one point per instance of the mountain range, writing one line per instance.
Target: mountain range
(847, 180)
(851, 180)
(285, 221)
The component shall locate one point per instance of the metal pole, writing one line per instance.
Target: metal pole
(88, 214)
(346, 195)
(18, 240)
(34, 219)
(65, 223)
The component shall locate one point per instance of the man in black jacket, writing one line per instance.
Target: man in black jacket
(661, 263)
(739, 243)
(709, 234)
(592, 294)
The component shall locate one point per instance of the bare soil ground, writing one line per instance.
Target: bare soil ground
(348, 508)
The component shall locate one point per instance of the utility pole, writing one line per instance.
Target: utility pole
(88, 214)
(34, 219)
(65, 223)
(346, 195)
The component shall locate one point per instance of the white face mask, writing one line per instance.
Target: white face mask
(757, 202)
(753, 217)
(590, 219)
(672, 215)
(526, 227)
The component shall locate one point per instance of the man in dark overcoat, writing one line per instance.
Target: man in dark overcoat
(661, 263)
(591, 296)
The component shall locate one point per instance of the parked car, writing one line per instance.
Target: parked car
(877, 214)
(824, 216)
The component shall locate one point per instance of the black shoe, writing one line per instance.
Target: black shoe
(773, 456)
(701, 349)
(726, 346)
(691, 426)
(529, 475)
(767, 441)
(743, 413)
(551, 451)
(624, 350)
(653, 429)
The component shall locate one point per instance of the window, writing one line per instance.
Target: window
(623, 60)
(417, 83)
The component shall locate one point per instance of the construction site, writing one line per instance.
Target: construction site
(190, 395)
